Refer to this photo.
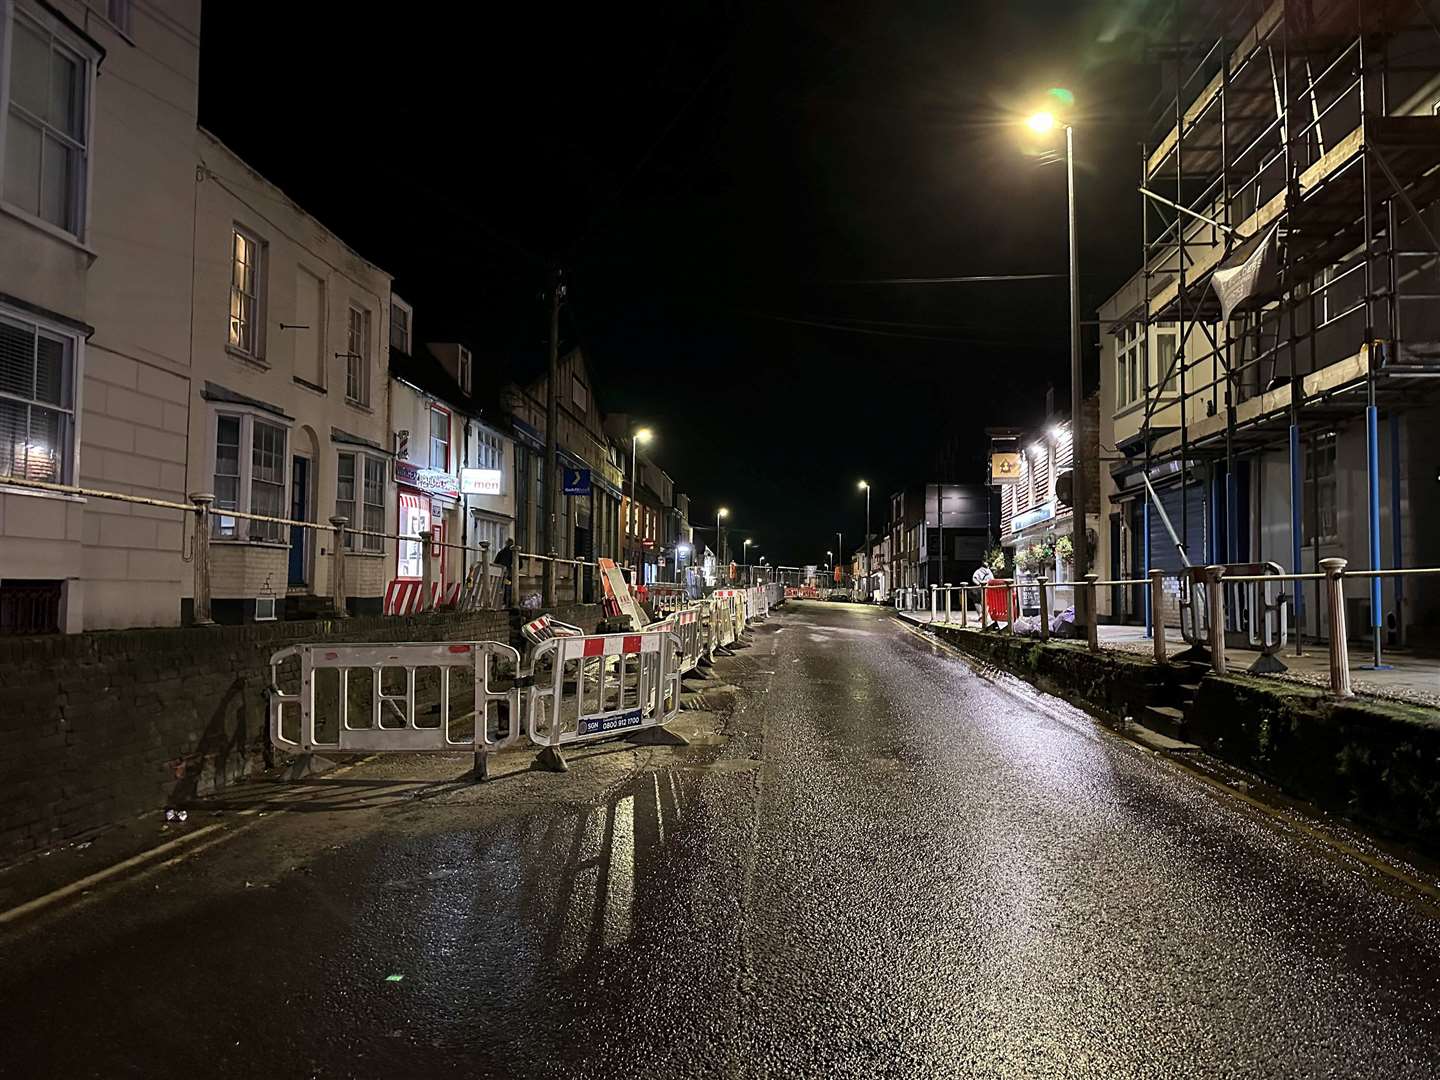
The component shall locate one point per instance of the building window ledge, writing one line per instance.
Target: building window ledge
(316, 387)
(358, 407)
(9, 489)
(52, 231)
(249, 358)
(273, 545)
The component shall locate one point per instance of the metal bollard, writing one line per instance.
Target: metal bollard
(1215, 604)
(932, 603)
(1157, 625)
(200, 614)
(947, 603)
(1044, 584)
(1012, 603)
(1092, 624)
(964, 605)
(579, 580)
(1334, 571)
(427, 570)
(337, 573)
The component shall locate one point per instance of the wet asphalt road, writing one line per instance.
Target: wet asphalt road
(891, 867)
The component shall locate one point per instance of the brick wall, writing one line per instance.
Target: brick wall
(98, 726)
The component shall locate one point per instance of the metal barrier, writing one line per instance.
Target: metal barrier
(602, 685)
(378, 698)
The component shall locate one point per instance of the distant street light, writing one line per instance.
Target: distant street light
(868, 550)
(640, 435)
(745, 550)
(1043, 122)
(719, 536)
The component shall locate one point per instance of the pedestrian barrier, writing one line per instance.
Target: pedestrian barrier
(367, 698)
(600, 685)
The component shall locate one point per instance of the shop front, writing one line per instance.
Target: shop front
(429, 500)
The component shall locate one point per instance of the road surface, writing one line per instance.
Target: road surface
(882, 864)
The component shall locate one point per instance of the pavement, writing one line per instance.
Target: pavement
(1406, 675)
(873, 860)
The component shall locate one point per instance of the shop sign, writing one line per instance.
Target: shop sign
(430, 481)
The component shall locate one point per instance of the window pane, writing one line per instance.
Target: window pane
(13, 426)
(17, 360)
(66, 105)
(30, 66)
(44, 458)
(22, 164)
(52, 371)
(345, 484)
(57, 184)
(375, 481)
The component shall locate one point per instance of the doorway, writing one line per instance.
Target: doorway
(299, 576)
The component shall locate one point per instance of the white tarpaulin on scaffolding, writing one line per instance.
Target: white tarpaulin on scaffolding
(1250, 270)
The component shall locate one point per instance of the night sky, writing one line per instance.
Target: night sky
(713, 177)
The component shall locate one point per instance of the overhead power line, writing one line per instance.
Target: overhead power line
(969, 279)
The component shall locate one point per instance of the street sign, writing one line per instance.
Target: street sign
(577, 482)
(1004, 468)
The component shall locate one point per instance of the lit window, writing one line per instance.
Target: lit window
(46, 130)
(364, 473)
(245, 292)
(251, 483)
(37, 413)
(357, 356)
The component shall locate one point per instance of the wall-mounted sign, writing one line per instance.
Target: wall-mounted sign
(1044, 512)
(1004, 468)
(480, 481)
(430, 481)
(402, 444)
(577, 481)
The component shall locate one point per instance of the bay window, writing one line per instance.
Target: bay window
(249, 476)
(360, 497)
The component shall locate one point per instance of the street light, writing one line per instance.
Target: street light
(868, 550)
(719, 536)
(1044, 122)
(745, 550)
(638, 436)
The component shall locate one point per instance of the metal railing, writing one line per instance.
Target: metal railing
(479, 589)
(1212, 602)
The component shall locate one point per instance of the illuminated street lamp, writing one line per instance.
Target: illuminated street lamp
(868, 550)
(745, 550)
(1042, 123)
(719, 536)
(638, 436)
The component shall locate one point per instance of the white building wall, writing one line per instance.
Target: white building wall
(300, 370)
(127, 275)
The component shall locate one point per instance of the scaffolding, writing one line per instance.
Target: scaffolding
(1300, 150)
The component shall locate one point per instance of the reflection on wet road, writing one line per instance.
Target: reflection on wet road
(891, 867)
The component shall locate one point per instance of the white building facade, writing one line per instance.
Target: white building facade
(97, 128)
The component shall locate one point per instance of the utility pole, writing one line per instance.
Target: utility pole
(552, 435)
(1080, 555)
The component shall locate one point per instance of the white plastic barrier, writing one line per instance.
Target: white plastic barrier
(601, 685)
(368, 698)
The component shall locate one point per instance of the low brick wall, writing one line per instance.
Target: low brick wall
(1376, 762)
(95, 727)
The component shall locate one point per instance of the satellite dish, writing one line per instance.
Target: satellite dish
(982, 575)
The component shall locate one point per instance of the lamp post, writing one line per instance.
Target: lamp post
(868, 551)
(719, 536)
(638, 436)
(1043, 122)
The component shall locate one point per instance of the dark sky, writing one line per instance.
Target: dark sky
(712, 175)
